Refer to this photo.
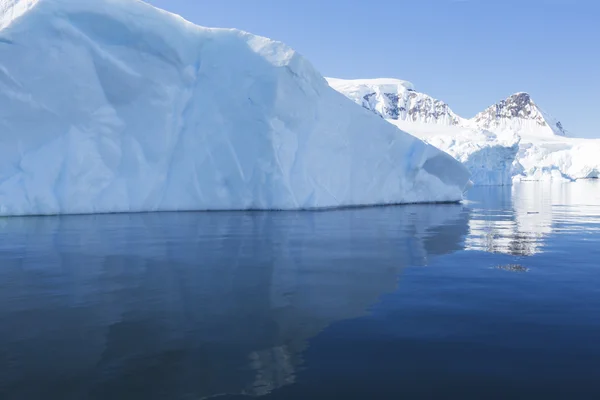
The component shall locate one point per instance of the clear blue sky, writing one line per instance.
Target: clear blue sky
(469, 53)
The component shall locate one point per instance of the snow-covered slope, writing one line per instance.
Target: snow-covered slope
(511, 140)
(396, 100)
(490, 158)
(518, 114)
(114, 105)
(558, 158)
(546, 152)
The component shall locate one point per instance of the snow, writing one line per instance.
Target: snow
(116, 106)
(558, 158)
(513, 140)
(358, 88)
(490, 158)
(518, 114)
(396, 100)
(10, 10)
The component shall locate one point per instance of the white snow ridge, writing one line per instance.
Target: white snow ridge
(116, 106)
(512, 140)
(396, 100)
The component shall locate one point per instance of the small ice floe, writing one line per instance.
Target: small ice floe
(512, 268)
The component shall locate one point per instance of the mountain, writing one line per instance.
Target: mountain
(519, 114)
(512, 140)
(116, 106)
(397, 100)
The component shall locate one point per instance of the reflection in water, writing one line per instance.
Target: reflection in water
(194, 304)
(517, 220)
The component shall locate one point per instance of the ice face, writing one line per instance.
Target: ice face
(115, 106)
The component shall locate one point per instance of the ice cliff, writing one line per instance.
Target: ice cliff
(116, 106)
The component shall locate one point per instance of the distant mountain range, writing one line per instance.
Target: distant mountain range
(512, 140)
(395, 99)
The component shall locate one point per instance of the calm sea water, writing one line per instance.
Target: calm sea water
(373, 303)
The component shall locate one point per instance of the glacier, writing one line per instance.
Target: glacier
(490, 158)
(117, 106)
(513, 140)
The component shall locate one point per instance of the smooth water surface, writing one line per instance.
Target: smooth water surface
(389, 302)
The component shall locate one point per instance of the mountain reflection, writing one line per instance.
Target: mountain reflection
(516, 220)
(194, 305)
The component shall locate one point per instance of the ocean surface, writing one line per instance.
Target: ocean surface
(495, 298)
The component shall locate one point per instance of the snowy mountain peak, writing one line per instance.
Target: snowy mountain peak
(512, 140)
(390, 85)
(520, 114)
(397, 100)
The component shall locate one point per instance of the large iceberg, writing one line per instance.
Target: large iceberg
(116, 106)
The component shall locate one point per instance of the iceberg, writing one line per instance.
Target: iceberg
(117, 106)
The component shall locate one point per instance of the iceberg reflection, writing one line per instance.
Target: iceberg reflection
(194, 304)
